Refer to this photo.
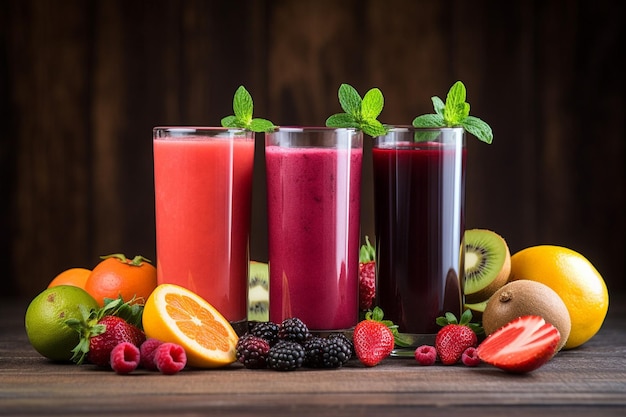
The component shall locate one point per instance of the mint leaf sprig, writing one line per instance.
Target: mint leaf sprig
(359, 113)
(242, 119)
(455, 113)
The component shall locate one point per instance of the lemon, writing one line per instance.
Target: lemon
(574, 279)
(177, 315)
(45, 320)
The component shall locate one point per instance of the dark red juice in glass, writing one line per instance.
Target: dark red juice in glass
(419, 220)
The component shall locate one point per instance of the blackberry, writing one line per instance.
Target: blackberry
(266, 330)
(252, 351)
(286, 356)
(326, 352)
(294, 330)
(345, 339)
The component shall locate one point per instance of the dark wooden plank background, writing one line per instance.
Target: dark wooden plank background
(82, 83)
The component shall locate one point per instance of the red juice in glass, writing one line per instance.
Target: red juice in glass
(203, 189)
(314, 186)
(419, 221)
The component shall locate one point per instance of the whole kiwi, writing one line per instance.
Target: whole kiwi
(524, 298)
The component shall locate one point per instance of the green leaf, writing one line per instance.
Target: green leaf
(243, 105)
(350, 100)
(243, 109)
(342, 120)
(372, 104)
(478, 128)
(229, 121)
(456, 95)
(455, 112)
(428, 120)
(373, 127)
(438, 105)
(377, 314)
(466, 317)
(261, 125)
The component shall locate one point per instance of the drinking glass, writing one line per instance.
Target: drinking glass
(313, 192)
(419, 183)
(203, 192)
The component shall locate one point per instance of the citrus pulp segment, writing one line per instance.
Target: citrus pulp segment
(175, 314)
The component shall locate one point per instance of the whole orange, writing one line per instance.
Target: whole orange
(574, 279)
(117, 276)
(73, 276)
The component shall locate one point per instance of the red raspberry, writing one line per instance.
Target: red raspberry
(426, 355)
(170, 358)
(147, 350)
(470, 357)
(124, 358)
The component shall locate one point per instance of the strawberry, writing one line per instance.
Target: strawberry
(373, 339)
(367, 275)
(522, 345)
(452, 340)
(102, 329)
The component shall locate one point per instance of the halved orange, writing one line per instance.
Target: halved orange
(178, 315)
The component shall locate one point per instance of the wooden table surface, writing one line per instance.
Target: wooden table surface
(589, 380)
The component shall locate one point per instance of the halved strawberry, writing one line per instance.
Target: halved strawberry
(522, 345)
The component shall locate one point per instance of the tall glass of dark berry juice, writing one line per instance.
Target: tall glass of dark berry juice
(419, 193)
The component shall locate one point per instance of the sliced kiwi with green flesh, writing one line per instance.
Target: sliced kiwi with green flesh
(477, 309)
(258, 292)
(487, 264)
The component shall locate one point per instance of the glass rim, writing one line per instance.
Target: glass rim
(298, 129)
(411, 128)
(191, 129)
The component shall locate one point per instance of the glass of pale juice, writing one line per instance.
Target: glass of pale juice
(203, 192)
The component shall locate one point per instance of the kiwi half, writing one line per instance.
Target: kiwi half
(487, 264)
(258, 292)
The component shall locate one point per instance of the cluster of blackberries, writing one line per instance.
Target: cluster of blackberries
(290, 345)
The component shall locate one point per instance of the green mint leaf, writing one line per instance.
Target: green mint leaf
(428, 120)
(456, 95)
(350, 100)
(342, 120)
(372, 104)
(243, 105)
(456, 109)
(373, 127)
(438, 105)
(261, 125)
(478, 128)
(453, 113)
(229, 121)
(359, 113)
(426, 135)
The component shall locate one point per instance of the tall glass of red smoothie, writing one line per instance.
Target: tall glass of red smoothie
(313, 193)
(419, 183)
(203, 191)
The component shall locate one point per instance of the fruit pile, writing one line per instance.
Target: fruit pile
(290, 345)
(530, 304)
(552, 282)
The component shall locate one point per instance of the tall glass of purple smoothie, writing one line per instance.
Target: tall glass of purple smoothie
(313, 197)
(419, 183)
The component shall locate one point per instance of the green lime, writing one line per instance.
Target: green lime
(45, 320)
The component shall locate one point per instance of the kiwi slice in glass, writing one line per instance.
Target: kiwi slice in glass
(258, 292)
(487, 264)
